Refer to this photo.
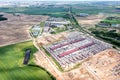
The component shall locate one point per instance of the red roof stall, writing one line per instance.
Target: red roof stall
(76, 49)
(61, 45)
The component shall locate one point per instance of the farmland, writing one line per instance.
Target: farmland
(12, 67)
(56, 12)
(60, 10)
(57, 50)
(111, 37)
(16, 28)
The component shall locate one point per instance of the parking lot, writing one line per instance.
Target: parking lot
(75, 48)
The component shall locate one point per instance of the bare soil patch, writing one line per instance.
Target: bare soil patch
(91, 20)
(16, 28)
(104, 65)
(50, 38)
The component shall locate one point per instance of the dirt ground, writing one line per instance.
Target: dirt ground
(76, 74)
(16, 28)
(91, 20)
(80, 73)
(50, 38)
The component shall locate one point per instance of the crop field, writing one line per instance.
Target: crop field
(111, 21)
(11, 64)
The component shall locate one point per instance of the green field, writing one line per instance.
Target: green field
(111, 21)
(111, 37)
(11, 64)
(57, 11)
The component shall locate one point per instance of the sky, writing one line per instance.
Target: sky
(59, 0)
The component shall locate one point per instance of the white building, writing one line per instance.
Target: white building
(56, 22)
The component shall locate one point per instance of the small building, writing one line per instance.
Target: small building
(69, 27)
(60, 26)
(36, 30)
(35, 33)
(56, 22)
(103, 25)
(118, 7)
(115, 25)
(82, 15)
(118, 25)
(36, 27)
